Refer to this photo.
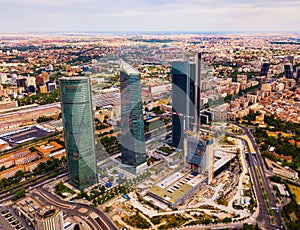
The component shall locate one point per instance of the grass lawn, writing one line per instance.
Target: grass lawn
(295, 190)
(293, 216)
(275, 134)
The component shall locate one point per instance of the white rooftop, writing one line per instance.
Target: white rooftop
(128, 68)
(170, 180)
(2, 142)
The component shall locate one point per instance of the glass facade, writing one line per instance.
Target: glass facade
(132, 122)
(185, 98)
(78, 124)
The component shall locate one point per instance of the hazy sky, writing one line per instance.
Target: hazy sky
(149, 15)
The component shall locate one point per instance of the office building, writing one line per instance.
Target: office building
(288, 71)
(185, 97)
(42, 79)
(49, 218)
(3, 78)
(21, 82)
(31, 89)
(50, 67)
(78, 122)
(265, 69)
(31, 82)
(291, 59)
(132, 122)
(43, 89)
(199, 154)
(206, 117)
(298, 75)
(51, 87)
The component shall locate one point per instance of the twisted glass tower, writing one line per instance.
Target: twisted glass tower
(78, 121)
(132, 122)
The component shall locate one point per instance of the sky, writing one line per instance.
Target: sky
(149, 15)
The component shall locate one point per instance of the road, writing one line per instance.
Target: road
(263, 214)
(265, 180)
(10, 193)
(104, 222)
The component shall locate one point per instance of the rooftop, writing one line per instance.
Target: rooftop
(47, 212)
(176, 186)
(74, 78)
(128, 68)
(2, 142)
(171, 197)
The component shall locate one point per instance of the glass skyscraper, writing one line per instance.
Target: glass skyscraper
(78, 121)
(185, 97)
(132, 122)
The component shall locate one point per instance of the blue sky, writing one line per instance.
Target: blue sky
(149, 15)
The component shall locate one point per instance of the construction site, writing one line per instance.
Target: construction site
(205, 160)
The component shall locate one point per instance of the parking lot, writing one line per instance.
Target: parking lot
(8, 220)
(23, 135)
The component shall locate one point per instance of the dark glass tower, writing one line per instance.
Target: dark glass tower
(185, 97)
(288, 70)
(78, 124)
(298, 74)
(265, 69)
(132, 122)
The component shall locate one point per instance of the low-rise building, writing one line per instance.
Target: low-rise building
(11, 172)
(32, 166)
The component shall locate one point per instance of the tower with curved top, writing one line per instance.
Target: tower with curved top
(132, 122)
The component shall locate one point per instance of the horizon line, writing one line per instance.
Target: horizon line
(153, 32)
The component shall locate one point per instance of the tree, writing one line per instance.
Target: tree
(20, 194)
(38, 170)
(63, 158)
(60, 186)
(19, 174)
(227, 220)
(107, 209)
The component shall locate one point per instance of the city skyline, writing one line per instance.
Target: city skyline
(159, 15)
(190, 131)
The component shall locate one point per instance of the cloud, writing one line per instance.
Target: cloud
(107, 15)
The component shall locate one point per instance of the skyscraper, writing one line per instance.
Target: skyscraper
(185, 97)
(78, 124)
(288, 70)
(132, 122)
(291, 59)
(199, 154)
(298, 74)
(265, 69)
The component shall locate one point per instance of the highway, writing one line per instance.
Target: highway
(10, 193)
(265, 180)
(263, 214)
